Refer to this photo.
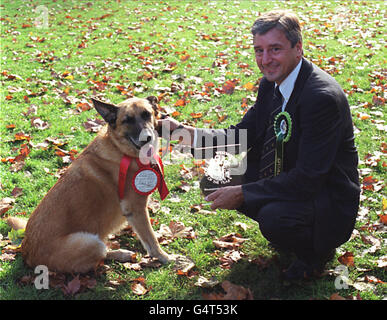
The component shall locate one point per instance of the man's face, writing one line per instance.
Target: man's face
(275, 56)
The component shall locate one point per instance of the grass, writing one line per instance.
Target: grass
(172, 47)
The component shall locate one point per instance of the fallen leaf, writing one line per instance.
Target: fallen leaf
(229, 241)
(375, 242)
(383, 219)
(138, 286)
(175, 229)
(232, 292)
(249, 86)
(7, 256)
(347, 259)
(382, 262)
(203, 282)
(6, 204)
(196, 115)
(139, 289)
(241, 225)
(182, 265)
(93, 125)
(229, 258)
(39, 123)
(72, 287)
(150, 262)
(17, 192)
(88, 282)
(336, 296)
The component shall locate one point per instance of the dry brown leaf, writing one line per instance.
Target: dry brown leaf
(229, 258)
(176, 229)
(336, 296)
(138, 286)
(347, 259)
(206, 283)
(6, 204)
(72, 287)
(229, 241)
(183, 265)
(232, 292)
(139, 289)
(236, 292)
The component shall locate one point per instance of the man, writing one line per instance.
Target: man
(301, 182)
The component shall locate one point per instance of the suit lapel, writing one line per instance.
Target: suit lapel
(305, 71)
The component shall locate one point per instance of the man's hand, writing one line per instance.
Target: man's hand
(226, 198)
(169, 123)
(185, 135)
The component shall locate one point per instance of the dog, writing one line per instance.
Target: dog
(67, 230)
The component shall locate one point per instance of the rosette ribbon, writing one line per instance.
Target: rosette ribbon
(283, 131)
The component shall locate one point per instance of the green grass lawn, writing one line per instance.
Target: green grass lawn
(56, 56)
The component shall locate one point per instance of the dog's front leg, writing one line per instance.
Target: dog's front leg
(140, 222)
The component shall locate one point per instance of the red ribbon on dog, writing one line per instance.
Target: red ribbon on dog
(157, 174)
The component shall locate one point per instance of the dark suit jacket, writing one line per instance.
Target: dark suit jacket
(320, 159)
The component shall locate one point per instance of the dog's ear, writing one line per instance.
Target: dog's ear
(153, 101)
(107, 111)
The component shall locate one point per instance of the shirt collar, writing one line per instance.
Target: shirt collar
(286, 87)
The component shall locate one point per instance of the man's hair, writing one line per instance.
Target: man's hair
(283, 20)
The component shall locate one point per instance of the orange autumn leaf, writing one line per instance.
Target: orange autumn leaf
(347, 259)
(184, 57)
(368, 183)
(383, 219)
(197, 115)
(22, 136)
(249, 86)
(180, 103)
(228, 87)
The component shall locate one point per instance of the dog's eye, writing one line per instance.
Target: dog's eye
(145, 115)
(128, 119)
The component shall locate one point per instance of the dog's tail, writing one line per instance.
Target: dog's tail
(17, 223)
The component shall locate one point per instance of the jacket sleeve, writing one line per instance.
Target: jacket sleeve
(246, 133)
(236, 139)
(320, 135)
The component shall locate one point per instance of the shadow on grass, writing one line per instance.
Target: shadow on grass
(267, 283)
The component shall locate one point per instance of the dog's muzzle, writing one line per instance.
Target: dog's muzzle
(145, 136)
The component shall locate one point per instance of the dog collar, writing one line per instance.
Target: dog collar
(146, 179)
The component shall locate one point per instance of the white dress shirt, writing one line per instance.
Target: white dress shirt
(286, 87)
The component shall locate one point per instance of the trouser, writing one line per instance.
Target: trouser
(289, 226)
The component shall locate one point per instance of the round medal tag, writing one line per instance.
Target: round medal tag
(145, 181)
(283, 126)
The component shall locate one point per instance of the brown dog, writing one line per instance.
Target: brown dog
(67, 230)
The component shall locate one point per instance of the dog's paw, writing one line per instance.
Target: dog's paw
(121, 255)
(166, 258)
